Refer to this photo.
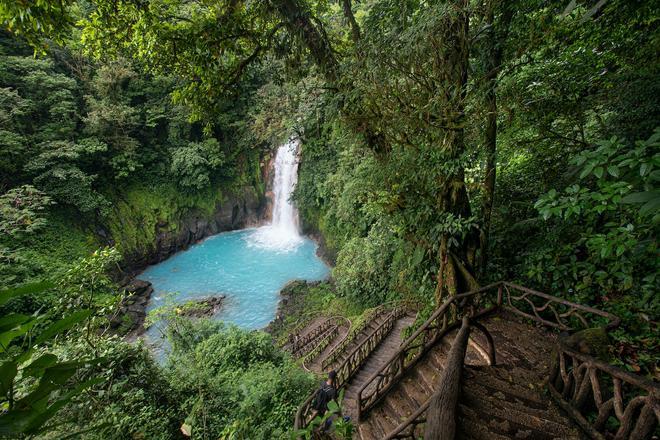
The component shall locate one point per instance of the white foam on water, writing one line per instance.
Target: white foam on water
(283, 233)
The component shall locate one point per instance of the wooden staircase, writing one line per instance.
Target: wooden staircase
(373, 363)
(496, 402)
(354, 355)
(393, 388)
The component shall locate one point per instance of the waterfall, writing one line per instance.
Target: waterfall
(283, 232)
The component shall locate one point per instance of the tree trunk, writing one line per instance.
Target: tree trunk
(492, 62)
(441, 415)
(453, 196)
(347, 7)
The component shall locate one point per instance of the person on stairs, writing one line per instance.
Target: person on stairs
(326, 393)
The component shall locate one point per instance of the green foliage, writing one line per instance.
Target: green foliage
(21, 209)
(194, 163)
(87, 284)
(617, 236)
(56, 171)
(134, 399)
(341, 429)
(605, 251)
(36, 21)
(35, 383)
(362, 267)
(236, 383)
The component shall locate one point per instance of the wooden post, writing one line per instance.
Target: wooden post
(441, 416)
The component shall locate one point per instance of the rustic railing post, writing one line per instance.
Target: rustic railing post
(491, 343)
(441, 418)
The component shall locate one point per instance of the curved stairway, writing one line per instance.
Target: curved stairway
(354, 355)
(496, 386)
(325, 343)
(373, 363)
(496, 402)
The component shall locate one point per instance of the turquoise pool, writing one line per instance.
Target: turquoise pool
(238, 265)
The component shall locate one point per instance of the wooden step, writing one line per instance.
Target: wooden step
(492, 379)
(513, 418)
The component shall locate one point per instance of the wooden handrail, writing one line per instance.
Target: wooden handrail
(575, 379)
(322, 344)
(297, 346)
(576, 384)
(573, 308)
(351, 335)
(351, 364)
(472, 304)
(431, 331)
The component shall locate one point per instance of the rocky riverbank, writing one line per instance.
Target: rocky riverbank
(240, 211)
(291, 306)
(131, 313)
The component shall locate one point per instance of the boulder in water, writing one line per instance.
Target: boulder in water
(203, 308)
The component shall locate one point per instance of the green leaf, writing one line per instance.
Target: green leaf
(6, 295)
(586, 171)
(39, 365)
(12, 321)
(63, 324)
(333, 407)
(8, 336)
(598, 172)
(641, 197)
(650, 206)
(418, 255)
(613, 170)
(8, 372)
(39, 417)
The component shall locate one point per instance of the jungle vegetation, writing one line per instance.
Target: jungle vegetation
(446, 144)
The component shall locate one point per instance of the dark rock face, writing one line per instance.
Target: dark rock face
(236, 212)
(324, 252)
(132, 309)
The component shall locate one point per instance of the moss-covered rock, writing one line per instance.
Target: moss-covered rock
(591, 341)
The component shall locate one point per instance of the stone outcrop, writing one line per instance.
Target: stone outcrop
(132, 310)
(202, 308)
(291, 303)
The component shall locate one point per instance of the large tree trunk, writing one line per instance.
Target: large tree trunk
(441, 415)
(455, 273)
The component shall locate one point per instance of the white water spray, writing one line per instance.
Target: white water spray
(283, 232)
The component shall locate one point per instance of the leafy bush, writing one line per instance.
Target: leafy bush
(604, 250)
(21, 210)
(36, 383)
(135, 399)
(236, 383)
(193, 164)
(362, 273)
